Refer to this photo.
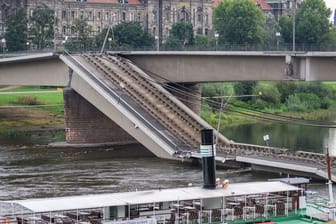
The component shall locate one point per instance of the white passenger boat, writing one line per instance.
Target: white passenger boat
(257, 201)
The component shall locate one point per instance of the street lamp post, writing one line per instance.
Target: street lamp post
(278, 34)
(27, 44)
(157, 41)
(216, 38)
(110, 40)
(3, 44)
(294, 11)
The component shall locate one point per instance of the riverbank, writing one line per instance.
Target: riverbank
(234, 120)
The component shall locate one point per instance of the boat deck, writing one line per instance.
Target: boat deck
(251, 202)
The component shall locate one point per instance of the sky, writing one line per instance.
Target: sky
(332, 5)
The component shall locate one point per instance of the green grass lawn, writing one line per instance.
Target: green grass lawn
(52, 102)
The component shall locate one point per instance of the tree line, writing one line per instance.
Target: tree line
(235, 22)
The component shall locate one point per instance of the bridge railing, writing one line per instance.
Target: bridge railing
(209, 47)
(241, 149)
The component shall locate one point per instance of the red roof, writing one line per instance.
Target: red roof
(215, 3)
(262, 4)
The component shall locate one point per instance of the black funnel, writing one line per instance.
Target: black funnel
(208, 159)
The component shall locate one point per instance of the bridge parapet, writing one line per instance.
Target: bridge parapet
(238, 149)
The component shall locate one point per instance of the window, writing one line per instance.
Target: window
(99, 16)
(123, 16)
(107, 15)
(199, 17)
(64, 30)
(206, 19)
(81, 15)
(114, 16)
(139, 16)
(90, 15)
(174, 15)
(63, 14)
(154, 16)
(73, 14)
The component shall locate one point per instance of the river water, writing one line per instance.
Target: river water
(47, 172)
(293, 137)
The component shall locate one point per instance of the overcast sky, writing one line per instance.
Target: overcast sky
(332, 5)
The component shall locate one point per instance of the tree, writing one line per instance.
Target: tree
(202, 41)
(16, 31)
(181, 35)
(272, 28)
(311, 24)
(42, 27)
(131, 34)
(286, 29)
(245, 88)
(239, 22)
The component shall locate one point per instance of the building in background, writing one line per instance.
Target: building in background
(156, 16)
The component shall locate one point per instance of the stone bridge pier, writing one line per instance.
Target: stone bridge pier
(85, 124)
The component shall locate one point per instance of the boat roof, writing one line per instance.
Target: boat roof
(292, 180)
(150, 196)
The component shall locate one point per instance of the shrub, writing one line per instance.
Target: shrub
(302, 102)
(27, 100)
(270, 92)
(295, 104)
(260, 104)
(312, 100)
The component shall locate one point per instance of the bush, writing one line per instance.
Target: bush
(245, 88)
(270, 92)
(27, 100)
(302, 102)
(260, 104)
(313, 101)
(314, 87)
(295, 104)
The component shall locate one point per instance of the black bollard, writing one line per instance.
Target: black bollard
(208, 159)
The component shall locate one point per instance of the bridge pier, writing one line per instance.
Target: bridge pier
(187, 93)
(86, 124)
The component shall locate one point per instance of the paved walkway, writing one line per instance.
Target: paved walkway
(8, 88)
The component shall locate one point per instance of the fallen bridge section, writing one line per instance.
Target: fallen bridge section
(137, 104)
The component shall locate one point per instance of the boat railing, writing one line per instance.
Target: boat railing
(188, 212)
